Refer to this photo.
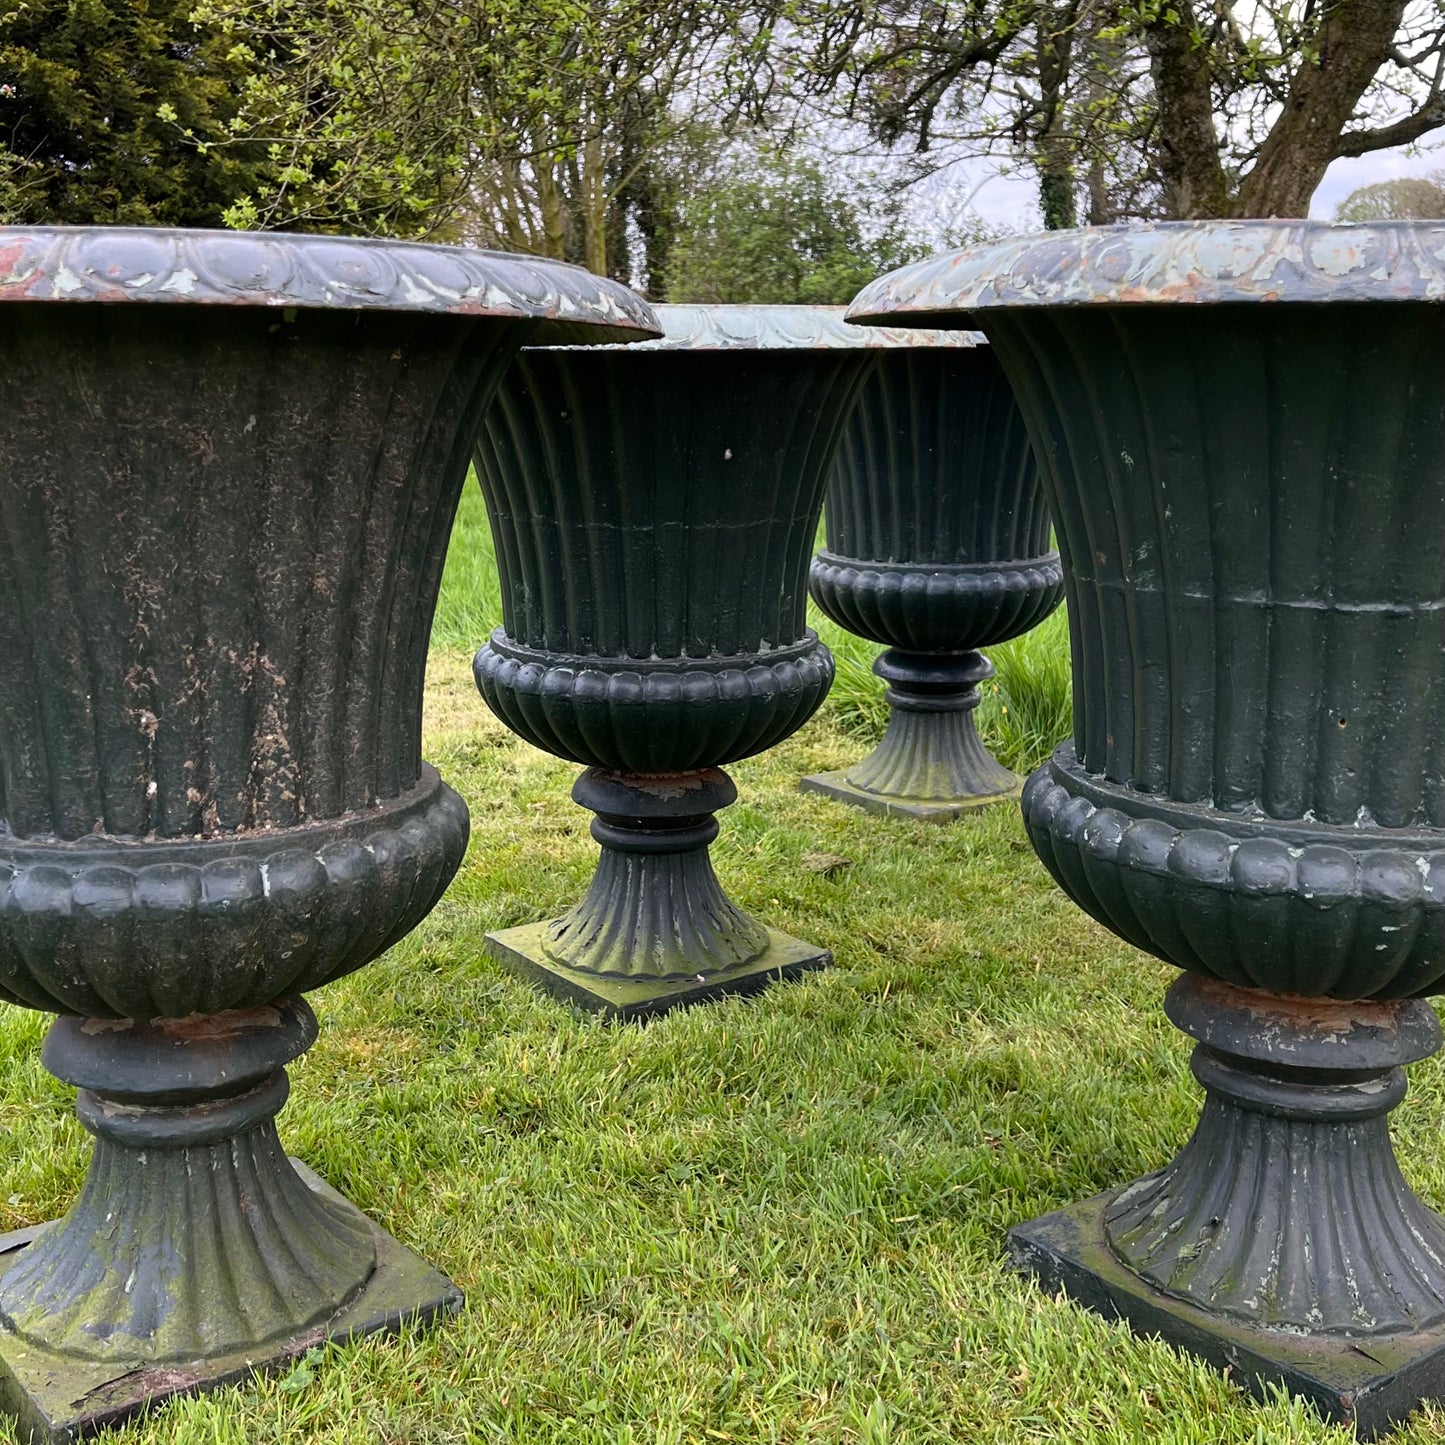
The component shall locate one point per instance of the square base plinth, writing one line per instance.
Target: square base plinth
(56, 1399)
(1372, 1382)
(520, 951)
(836, 785)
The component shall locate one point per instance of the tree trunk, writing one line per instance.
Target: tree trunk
(1353, 41)
(1195, 186)
(658, 220)
(1101, 207)
(594, 203)
(554, 219)
(1058, 197)
(619, 259)
(1099, 60)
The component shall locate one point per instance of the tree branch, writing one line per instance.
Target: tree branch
(1402, 132)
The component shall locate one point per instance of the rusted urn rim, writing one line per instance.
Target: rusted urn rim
(243, 268)
(786, 328)
(1167, 263)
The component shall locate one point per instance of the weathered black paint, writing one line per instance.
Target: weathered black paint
(228, 471)
(938, 545)
(1241, 428)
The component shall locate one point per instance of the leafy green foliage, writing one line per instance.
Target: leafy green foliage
(1407, 198)
(362, 108)
(534, 125)
(120, 112)
(587, 109)
(770, 226)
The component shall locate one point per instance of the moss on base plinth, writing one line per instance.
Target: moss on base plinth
(57, 1398)
(1370, 1382)
(523, 951)
(836, 785)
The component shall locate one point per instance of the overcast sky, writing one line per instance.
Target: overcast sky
(1011, 200)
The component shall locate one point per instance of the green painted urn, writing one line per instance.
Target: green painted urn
(228, 469)
(938, 544)
(654, 509)
(1241, 430)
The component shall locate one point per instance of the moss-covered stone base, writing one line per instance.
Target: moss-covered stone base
(57, 1398)
(522, 951)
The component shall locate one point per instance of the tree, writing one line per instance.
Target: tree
(769, 226)
(534, 125)
(591, 110)
(363, 108)
(119, 112)
(1178, 107)
(1407, 198)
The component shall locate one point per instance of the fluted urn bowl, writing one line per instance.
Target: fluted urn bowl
(1241, 427)
(654, 508)
(228, 469)
(937, 545)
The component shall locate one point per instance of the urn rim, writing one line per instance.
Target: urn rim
(1166, 263)
(129, 264)
(728, 326)
(1048, 561)
(505, 645)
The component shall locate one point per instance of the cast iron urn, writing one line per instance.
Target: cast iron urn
(1241, 427)
(228, 470)
(654, 509)
(938, 545)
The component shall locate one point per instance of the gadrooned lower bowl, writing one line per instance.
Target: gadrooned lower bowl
(644, 716)
(936, 607)
(1290, 908)
(166, 928)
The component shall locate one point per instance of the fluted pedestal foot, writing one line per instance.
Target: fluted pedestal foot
(931, 763)
(655, 929)
(197, 1252)
(1282, 1243)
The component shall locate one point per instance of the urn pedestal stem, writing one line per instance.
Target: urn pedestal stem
(655, 928)
(1283, 1241)
(1287, 1209)
(197, 1252)
(193, 1235)
(931, 762)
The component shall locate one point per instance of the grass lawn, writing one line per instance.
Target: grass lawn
(777, 1220)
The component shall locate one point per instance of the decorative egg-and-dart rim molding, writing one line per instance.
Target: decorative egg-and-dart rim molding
(1168, 263)
(240, 268)
(728, 327)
